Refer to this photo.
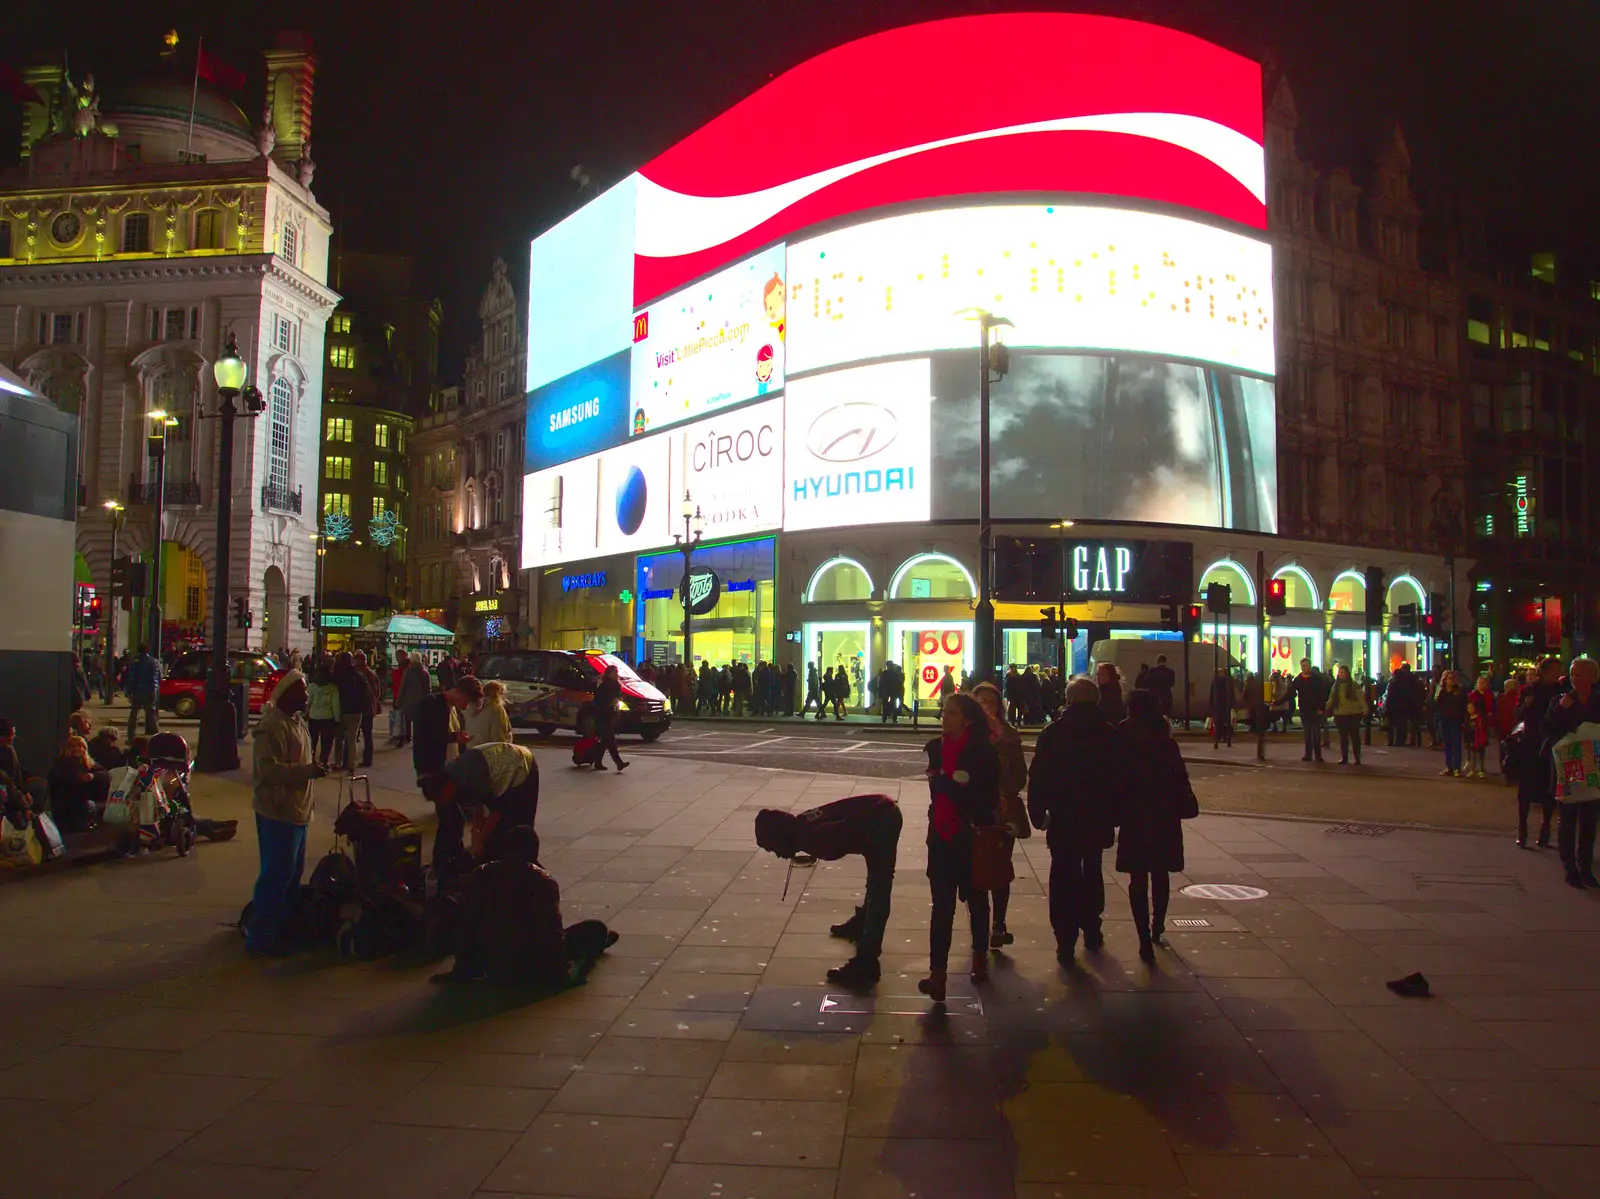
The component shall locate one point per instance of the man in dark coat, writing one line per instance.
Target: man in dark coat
(1077, 789)
(1161, 680)
(1578, 704)
(865, 824)
(1310, 691)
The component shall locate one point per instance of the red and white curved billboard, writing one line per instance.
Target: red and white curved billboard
(1053, 103)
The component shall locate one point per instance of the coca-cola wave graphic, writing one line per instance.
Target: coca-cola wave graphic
(1022, 103)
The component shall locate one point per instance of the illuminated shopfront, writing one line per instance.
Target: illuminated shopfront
(738, 627)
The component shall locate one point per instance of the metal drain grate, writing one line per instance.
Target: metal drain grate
(1499, 881)
(1223, 891)
(1190, 922)
(1361, 830)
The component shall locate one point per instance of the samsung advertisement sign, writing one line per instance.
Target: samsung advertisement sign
(579, 414)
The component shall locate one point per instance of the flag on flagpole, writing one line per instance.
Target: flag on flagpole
(213, 70)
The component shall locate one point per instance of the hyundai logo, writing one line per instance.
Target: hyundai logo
(852, 431)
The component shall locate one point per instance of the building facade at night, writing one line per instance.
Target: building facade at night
(783, 349)
(467, 471)
(137, 233)
(382, 373)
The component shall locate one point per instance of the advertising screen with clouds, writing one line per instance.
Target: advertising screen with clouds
(1065, 276)
(856, 447)
(717, 343)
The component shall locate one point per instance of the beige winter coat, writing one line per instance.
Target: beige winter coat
(281, 769)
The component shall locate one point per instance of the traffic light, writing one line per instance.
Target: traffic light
(119, 574)
(1219, 598)
(1277, 597)
(1169, 614)
(1047, 626)
(1192, 616)
(1376, 594)
(139, 580)
(1432, 626)
(305, 611)
(1069, 629)
(92, 614)
(243, 618)
(1407, 614)
(999, 361)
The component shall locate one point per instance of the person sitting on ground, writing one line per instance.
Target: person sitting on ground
(865, 824)
(73, 787)
(499, 784)
(105, 749)
(509, 928)
(36, 790)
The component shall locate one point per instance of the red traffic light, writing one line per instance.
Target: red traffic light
(1277, 597)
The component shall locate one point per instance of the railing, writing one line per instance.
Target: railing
(281, 499)
(179, 492)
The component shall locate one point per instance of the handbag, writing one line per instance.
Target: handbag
(991, 857)
(1014, 815)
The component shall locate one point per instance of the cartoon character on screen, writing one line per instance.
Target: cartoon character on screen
(763, 370)
(773, 301)
(638, 421)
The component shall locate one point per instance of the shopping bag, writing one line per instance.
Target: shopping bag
(397, 724)
(152, 802)
(991, 857)
(14, 840)
(1577, 772)
(47, 837)
(123, 797)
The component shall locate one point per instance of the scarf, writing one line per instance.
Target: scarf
(945, 819)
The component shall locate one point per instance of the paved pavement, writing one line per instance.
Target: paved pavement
(1260, 1056)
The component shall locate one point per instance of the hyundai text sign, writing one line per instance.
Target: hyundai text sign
(578, 414)
(856, 447)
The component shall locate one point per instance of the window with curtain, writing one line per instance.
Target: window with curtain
(282, 409)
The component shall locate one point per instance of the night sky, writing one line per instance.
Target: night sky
(453, 136)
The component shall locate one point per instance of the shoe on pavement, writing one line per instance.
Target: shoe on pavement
(1095, 943)
(1065, 956)
(1574, 879)
(849, 930)
(1147, 950)
(1544, 837)
(1000, 938)
(1589, 880)
(621, 766)
(601, 766)
(980, 967)
(933, 987)
(857, 974)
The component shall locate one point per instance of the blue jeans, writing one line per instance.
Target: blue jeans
(283, 861)
(1450, 731)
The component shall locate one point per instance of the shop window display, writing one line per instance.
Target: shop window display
(740, 625)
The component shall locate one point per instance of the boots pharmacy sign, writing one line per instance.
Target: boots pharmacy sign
(701, 591)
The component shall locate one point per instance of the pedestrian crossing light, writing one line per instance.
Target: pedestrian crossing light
(1219, 597)
(1277, 597)
(305, 611)
(1407, 614)
(1069, 629)
(1047, 626)
(1192, 616)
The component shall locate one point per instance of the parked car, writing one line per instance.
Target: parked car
(183, 691)
(547, 689)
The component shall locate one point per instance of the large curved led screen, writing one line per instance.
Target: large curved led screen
(815, 291)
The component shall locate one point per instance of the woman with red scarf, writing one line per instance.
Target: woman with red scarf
(964, 779)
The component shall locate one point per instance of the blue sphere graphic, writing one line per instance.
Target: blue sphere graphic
(632, 497)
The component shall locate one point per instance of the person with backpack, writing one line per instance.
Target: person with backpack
(509, 927)
(281, 773)
(865, 824)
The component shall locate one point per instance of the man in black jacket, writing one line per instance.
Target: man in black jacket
(865, 824)
(1310, 691)
(1579, 704)
(1077, 788)
(1161, 680)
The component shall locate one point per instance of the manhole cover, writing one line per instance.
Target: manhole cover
(1223, 891)
(1361, 830)
(1190, 922)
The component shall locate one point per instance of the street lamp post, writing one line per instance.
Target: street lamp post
(321, 539)
(118, 515)
(1447, 528)
(219, 740)
(984, 650)
(693, 530)
(156, 447)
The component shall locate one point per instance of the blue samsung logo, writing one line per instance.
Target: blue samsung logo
(856, 482)
(579, 414)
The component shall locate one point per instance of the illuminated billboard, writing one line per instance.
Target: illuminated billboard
(856, 447)
(717, 343)
(578, 414)
(733, 469)
(1067, 277)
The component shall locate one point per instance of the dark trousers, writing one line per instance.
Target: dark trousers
(1576, 834)
(1311, 725)
(151, 716)
(607, 735)
(449, 842)
(1077, 894)
(1450, 730)
(883, 839)
(1159, 885)
(1349, 737)
(283, 860)
(366, 738)
(944, 887)
(1524, 806)
(323, 733)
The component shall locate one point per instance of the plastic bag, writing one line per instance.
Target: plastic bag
(45, 844)
(14, 840)
(124, 796)
(1577, 770)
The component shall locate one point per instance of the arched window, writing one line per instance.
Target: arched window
(839, 579)
(280, 416)
(932, 576)
(1226, 570)
(1299, 589)
(1409, 592)
(1348, 593)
